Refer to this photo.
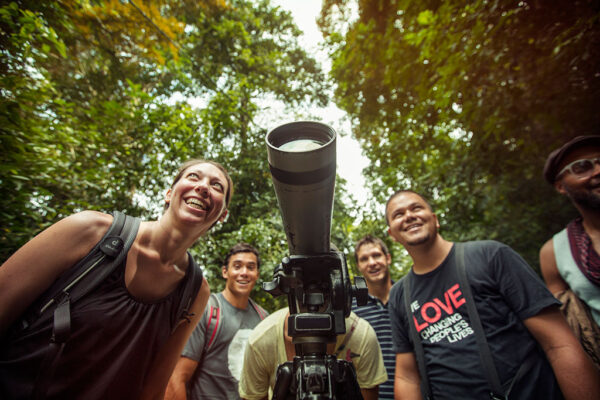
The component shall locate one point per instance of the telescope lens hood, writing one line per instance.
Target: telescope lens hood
(301, 147)
(302, 161)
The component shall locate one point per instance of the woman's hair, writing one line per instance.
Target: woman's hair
(195, 161)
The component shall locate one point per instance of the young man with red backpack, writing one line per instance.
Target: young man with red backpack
(211, 362)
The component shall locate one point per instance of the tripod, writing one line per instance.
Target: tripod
(316, 376)
(319, 297)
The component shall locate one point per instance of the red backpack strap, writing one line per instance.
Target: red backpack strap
(259, 311)
(212, 324)
(355, 319)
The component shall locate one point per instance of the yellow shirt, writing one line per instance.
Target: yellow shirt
(266, 350)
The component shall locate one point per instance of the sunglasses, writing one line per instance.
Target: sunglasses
(580, 168)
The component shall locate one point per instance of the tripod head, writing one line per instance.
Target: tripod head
(319, 294)
(314, 277)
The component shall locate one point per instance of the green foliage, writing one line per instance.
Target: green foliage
(463, 100)
(92, 116)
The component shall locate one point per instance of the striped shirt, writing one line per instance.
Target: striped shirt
(376, 313)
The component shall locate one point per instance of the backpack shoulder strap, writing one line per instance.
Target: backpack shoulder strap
(113, 247)
(416, 339)
(212, 322)
(489, 368)
(78, 281)
(190, 291)
(84, 276)
(348, 335)
(261, 313)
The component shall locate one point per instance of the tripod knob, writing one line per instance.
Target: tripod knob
(360, 291)
(273, 287)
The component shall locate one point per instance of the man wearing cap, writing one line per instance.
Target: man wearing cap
(570, 261)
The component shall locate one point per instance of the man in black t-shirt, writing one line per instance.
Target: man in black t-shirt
(516, 310)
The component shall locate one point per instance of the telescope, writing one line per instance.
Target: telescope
(302, 161)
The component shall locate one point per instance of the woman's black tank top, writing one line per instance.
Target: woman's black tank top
(114, 341)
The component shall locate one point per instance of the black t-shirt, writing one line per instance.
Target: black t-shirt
(506, 292)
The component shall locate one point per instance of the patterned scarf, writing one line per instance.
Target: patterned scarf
(583, 251)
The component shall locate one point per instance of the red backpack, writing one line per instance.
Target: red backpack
(214, 317)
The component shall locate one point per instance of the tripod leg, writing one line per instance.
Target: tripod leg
(283, 382)
(346, 386)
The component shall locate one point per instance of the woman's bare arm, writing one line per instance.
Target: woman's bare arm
(33, 268)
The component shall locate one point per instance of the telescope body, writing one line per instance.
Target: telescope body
(302, 161)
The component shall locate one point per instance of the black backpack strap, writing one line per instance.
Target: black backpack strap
(79, 280)
(489, 367)
(190, 291)
(417, 345)
(525, 366)
(119, 236)
(484, 350)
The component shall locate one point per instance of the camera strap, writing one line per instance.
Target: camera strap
(484, 349)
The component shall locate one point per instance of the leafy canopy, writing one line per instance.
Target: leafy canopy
(102, 101)
(463, 100)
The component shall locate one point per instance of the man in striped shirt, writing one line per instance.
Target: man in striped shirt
(373, 260)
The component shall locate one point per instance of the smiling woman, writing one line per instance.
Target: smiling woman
(141, 295)
(191, 163)
(204, 190)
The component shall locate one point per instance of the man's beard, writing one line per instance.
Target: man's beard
(423, 239)
(584, 198)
